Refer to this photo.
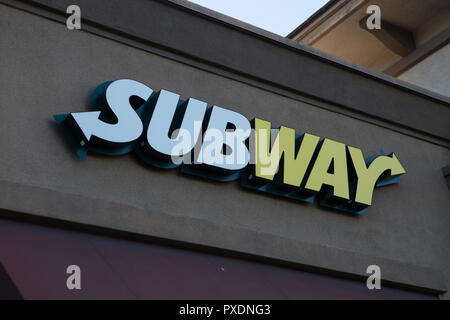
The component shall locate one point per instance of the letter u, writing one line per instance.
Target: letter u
(174, 126)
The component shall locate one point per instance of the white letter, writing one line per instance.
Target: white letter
(161, 121)
(182, 148)
(211, 151)
(374, 281)
(373, 21)
(238, 157)
(73, 281)
(128, 127)
(73, 21)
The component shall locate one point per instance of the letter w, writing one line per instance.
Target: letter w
(267, 161)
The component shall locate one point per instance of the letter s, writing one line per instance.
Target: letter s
(128, 126)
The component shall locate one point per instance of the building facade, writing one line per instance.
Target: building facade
(138, 231)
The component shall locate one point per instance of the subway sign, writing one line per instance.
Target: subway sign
(223, 145)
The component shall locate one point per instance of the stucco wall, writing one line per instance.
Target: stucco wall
(46, 69)
(432, 73)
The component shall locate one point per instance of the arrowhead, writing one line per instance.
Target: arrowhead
(397, 168)
(87, 122)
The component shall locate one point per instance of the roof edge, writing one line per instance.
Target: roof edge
(312, 18)
(187, 32)
(286, 41)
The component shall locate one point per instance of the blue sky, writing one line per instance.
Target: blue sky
(277, 16)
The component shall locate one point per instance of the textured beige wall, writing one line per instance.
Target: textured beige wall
(46, 69)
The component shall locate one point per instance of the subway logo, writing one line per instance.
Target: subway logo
(220, 144)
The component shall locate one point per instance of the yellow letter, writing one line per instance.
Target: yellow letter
(267, 162)
(330, 152)
(367, 177)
